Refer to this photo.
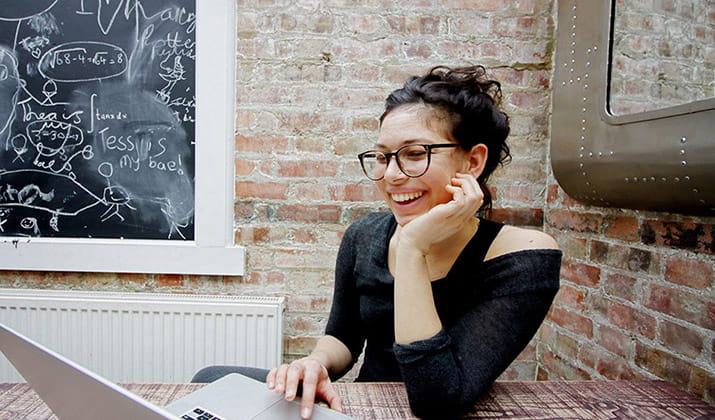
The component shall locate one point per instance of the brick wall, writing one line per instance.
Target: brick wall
(636, 299)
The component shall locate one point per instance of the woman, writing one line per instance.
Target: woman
(443, 300)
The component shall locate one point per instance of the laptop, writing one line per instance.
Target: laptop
(75, 393)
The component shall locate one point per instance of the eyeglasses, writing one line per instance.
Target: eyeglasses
(412, 159)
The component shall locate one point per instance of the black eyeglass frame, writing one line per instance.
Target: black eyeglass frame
(388, 155)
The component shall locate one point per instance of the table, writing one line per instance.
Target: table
(505, 400)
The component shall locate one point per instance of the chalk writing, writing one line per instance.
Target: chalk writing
(97, 118)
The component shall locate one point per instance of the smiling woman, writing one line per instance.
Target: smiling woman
(438, 297)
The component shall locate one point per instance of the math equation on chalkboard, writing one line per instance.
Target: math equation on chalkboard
(97, 118)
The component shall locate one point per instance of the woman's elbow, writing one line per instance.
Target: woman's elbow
(447, 403)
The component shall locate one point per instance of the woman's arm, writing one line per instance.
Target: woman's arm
(446, 373)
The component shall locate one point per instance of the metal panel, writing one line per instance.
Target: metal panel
(660, 160)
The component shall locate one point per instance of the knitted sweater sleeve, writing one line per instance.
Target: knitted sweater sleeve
(445, 374)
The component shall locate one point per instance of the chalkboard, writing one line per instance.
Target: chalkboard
(97, 118)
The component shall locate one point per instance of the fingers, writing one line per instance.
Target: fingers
(466, 193)
(311, 376)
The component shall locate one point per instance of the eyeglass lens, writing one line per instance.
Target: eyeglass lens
(412, 160)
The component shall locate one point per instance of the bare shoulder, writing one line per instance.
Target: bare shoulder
(513, 239)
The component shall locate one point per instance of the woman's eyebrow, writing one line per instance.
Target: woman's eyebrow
(405, 142)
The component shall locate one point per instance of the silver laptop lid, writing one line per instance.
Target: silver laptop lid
(70, 390)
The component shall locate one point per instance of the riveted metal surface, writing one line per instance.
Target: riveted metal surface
(659, 160)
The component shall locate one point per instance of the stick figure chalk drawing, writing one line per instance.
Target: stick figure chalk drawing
(115, 196)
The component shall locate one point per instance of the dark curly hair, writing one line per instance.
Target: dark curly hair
(471, 104)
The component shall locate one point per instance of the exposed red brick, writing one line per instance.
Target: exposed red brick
(271, 190)
(169, 280)
(302, 169)
(614, 341)
(553, 195)
(683, 305)
(560, 368)
(311, 214)
(300, 345)
(685, 235)
(572, 321)
(518, 217)
(261, 144)
(624, 258)
(662, 364)
(621, 286)
(689, 272)
(570, 296)
(574, 221)
(354, 192)
(626, 317)
(583, 274)
(682, 340)
(623, 228)
(616, 368)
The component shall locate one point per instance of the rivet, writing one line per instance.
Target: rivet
(635, 179)
(585, 86)
(652, 179)
(578, 79)
(588, 51)
(664, 179)
(585, 99)
(580, 165)
(583, 138)
(588, 64)
(682, 151)
(583, 173)
(683, 139)
(645, 179)
(600, 154)
(695, 190)
(563, 83)
(611, 153)
(590, 154)
(583, 121)
(676, 179)
(573, 52)
(683, 163)
(687, 178)
(571, 80)
(585, 76)
(627, 180)
(583, 109)
(595, 48)
(580, 155)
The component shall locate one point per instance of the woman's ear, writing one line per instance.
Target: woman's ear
(477, 159)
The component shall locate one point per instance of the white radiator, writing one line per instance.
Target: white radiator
(142, 337)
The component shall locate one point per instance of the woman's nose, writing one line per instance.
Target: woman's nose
(393, 171)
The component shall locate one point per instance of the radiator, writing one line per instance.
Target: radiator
(143, 337)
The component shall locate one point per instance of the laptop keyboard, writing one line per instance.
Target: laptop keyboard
(199, 413)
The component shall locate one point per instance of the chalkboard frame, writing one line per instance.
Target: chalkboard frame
(213, 251)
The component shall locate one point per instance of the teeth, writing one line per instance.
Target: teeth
(405, 197)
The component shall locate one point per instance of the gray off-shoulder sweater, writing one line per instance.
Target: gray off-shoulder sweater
(489, 310)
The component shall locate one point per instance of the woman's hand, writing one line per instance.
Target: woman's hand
(315, 381)
(444, 220)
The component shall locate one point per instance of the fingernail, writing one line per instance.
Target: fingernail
(306, 413)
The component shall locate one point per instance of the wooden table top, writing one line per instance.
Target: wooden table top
(506, 400)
